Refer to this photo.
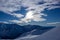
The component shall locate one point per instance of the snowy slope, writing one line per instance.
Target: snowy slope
(53, 34)
(13, 31)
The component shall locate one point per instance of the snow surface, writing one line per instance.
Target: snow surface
(53, 34)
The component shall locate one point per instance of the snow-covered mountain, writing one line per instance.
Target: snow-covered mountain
(53, 34)
(12, 31)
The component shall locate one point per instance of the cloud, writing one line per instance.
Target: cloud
(4, 22)
(17, 15)
(54, 23)
(34, 10)
(53, 7)
(14, 5)
(15, 21)
(9, 5)
(31, 16)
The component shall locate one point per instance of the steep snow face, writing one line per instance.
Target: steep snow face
(53, 34)
(13, 31)
(10, 31)
(34, 33)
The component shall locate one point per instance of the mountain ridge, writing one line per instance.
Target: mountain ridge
(12, 31)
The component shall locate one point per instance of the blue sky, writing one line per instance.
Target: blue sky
(35, 12)
(53, 15)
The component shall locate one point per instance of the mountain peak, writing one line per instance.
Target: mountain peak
(12, 31)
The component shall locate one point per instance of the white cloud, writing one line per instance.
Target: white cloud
(34, 10)
(17, 15)
(9, 5)
(53, 7)
(31, 16)
(15, 21)
(54, 23)
(4, 22)
(14, 5)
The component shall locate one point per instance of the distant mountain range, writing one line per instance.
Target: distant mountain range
(12, 31)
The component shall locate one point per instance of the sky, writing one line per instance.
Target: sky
(30, 12)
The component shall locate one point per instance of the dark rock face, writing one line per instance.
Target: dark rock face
(12, 31)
